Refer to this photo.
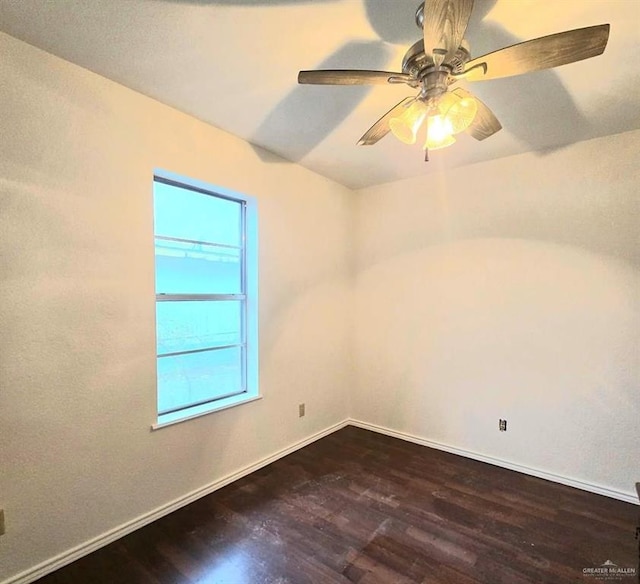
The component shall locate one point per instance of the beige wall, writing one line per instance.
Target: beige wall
(509, 289)
(77, 364)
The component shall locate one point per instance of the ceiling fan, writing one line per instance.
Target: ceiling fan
(441, 58)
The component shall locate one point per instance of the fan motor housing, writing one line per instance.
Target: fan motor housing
(417, 64)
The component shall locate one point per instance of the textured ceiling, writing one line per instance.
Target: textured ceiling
(234, 64)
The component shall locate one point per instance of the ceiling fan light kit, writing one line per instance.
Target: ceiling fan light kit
(442, 58)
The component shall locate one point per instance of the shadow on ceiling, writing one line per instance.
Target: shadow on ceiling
(308, 114)
(305, 117)
(535, 108)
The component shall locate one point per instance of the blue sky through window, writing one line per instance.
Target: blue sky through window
(188, 214)
(198, 249)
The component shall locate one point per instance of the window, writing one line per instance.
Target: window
(206, 272)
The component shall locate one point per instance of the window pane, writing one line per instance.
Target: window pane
(191, 215)
(186, 380)
(187, 268)
(185, 326)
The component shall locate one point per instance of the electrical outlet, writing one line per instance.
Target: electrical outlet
(2, 522)
(502, 426)
(301, 411)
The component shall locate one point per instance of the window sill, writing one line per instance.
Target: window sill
(209, 410)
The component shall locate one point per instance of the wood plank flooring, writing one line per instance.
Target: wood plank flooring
(361, 507)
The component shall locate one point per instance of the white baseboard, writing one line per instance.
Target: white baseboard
(590, 487)
(87, 547)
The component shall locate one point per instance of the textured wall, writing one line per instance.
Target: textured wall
(509, 289)
(77, 365)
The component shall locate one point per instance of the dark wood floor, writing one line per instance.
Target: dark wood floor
(362, 507)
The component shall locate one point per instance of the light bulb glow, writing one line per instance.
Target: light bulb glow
(439, 130)
(406, 125)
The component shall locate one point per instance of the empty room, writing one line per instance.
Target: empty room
(319, 291)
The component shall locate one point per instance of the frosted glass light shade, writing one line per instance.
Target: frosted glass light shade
(405, 126)
(462, 113)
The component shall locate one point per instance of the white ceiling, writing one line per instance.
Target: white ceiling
(234, 63)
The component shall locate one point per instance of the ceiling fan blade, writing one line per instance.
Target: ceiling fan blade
(443, 27)
(541, 53)
(485, 123)
(381, 128)
(352, 77)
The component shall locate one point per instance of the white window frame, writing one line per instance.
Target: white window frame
(248, 296)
